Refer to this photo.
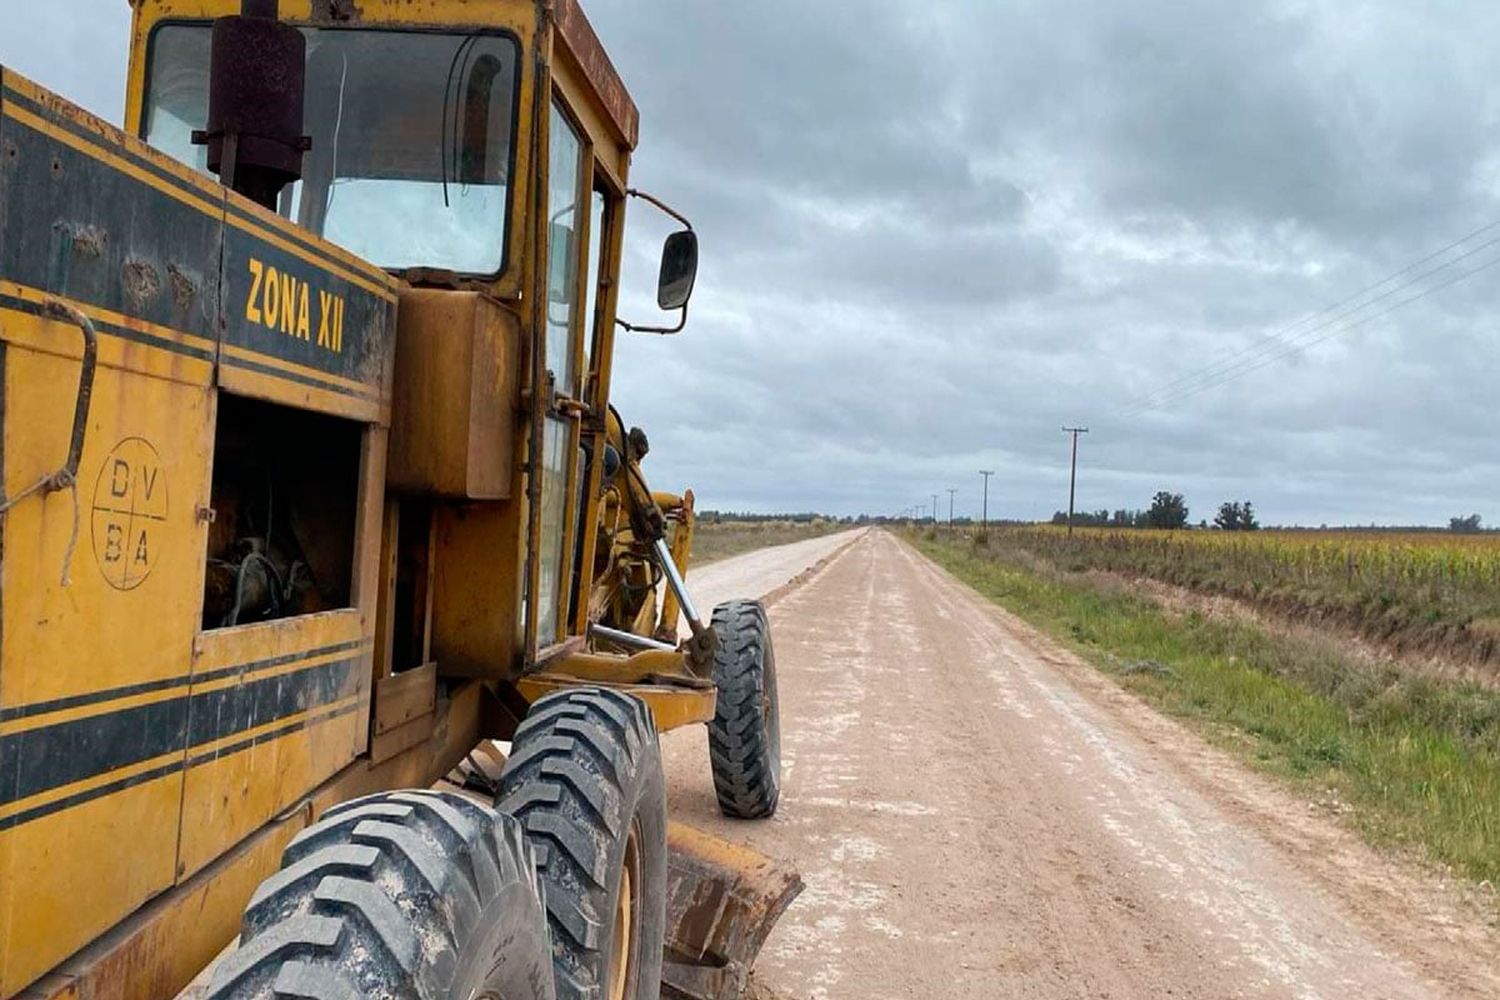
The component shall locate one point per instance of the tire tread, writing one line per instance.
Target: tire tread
(571, 760)
(378, 898)
(746, 768)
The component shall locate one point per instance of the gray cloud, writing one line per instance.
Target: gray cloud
(934, 233)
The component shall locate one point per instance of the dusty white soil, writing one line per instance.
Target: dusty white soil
(977, 813)
(759, 573)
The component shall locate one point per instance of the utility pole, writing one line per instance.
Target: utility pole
(1073, 471)
(934, 510)
(984, 508)
(951, 490)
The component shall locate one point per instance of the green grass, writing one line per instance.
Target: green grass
(1417, 759)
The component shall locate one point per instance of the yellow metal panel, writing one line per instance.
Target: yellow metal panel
(158, 351)
(456, 396)
(476, 595)
(189, 929)
(70, 875)
(671, 707)
(165, 944)
(304, 397)
(138, 557)
(330, 348)
(159, 948)
(293, 690)
(85, 837)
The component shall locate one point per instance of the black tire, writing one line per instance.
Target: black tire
(744, 739)
(417, 895)
(585, 780)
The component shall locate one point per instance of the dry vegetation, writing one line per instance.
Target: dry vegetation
(715, 540)
(1429, 593)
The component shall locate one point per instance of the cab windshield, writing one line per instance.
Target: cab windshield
(411, 139)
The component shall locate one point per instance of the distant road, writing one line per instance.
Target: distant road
(977, 813)
(757, 573)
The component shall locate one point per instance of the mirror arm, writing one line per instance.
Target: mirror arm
(683, 317)
(632, 328)
(637, 193)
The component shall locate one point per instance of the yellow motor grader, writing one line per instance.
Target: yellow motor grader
(312, 498)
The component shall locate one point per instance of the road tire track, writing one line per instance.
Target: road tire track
(977, 812)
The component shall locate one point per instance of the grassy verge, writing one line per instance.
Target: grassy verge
(1416, 760)
(715, 541)
(1422, 593)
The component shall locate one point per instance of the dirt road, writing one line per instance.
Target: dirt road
(754, 574)
(976, 813)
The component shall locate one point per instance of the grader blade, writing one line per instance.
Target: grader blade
(722, 901)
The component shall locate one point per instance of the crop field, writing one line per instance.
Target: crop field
(1425, 592)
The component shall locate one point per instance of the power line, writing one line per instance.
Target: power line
(1251, 357)
(1293, 349)
(1276, 337)
(1253, 360)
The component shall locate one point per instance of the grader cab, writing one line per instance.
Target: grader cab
(312, 497)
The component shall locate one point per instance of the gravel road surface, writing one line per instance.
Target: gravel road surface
(977, 813)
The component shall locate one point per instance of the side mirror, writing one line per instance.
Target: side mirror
(679, 269)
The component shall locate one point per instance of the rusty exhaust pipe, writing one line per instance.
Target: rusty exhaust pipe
(256, 90)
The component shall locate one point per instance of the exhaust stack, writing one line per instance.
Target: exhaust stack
(257, 85)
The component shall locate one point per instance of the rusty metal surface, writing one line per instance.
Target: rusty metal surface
(66, 477)
(68, 474)
(722, 901)
(457, 394)
(584, 46)
(255, 103)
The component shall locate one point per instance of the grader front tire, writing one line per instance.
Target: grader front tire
(585, 779)
(417, 895)
(744, 738)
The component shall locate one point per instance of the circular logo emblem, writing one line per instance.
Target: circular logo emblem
(130, 513)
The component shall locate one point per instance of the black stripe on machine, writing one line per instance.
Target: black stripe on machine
(78, 798)
(48, 757)
(146, 687)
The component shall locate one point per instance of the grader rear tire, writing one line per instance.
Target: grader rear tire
(585, 779)
(744, 738)
(419, 895)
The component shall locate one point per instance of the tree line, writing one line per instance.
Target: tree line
(1168, 510)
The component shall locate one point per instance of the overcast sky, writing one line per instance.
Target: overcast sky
(933, 233)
